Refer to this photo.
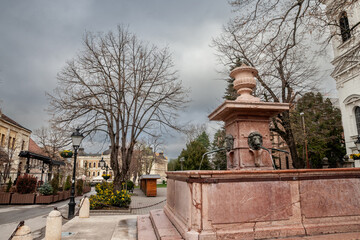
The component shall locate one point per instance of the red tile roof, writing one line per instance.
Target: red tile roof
(34, 148)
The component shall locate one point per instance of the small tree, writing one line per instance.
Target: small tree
(9, 185)
(55, 183)
(46, 189)
(26, 184)
(67, 185)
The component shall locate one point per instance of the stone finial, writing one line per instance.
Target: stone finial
(245, 82)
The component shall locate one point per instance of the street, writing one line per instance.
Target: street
(33, 215)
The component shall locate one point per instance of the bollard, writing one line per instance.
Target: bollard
(53, 226)
(85, 208)
(23, 233)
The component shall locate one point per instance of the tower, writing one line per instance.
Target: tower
(345, 31)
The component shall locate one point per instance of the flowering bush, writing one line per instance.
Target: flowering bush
(355, 156)
(66, 154)
(106, 176)
(107, 197)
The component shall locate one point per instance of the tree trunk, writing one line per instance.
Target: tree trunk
(290, 141)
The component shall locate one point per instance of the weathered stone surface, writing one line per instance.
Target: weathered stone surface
(265, 204)
(164, 229)
(330, 197)
(249, 202)
(145, 230)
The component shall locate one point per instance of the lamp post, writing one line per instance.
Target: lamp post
(76, 138)
(181, 162)
(104, 166)
(305, 141)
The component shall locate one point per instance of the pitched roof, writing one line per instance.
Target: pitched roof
(7, 119)
(34, 148)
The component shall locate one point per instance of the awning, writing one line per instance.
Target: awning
(43, 158)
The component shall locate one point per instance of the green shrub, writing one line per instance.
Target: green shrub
(130, 185)
(79, 186)
(26, 184)
(9, 185)
(55, 183)
(163, 182)
(46, 189)
(67, 185)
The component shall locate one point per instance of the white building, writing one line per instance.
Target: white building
(346, 45)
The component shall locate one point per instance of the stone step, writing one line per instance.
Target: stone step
(164, 229)
(145, 229)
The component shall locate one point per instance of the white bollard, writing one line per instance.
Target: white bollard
(53, 226)
(23, 233)
(85, 208)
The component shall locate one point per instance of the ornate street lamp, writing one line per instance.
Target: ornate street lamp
(357, 143)
(76, 138)
(105, 167)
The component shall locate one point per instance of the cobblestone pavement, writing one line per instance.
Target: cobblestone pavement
(140, 204)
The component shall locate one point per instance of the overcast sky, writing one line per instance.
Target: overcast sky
(38, 37)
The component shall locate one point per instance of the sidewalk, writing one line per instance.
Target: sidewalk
(114, 227)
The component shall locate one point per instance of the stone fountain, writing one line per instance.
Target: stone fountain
(251, 200)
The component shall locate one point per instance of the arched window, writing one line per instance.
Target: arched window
(89, 165)
(98, 173)
(94, 174)
(344, 27)
(98, 164)
(357, 118)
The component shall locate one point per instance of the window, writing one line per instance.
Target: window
(98, 164)
(2, 140)
(357, 118)
(93, 174)
(344, 27)
(98, 173)
(22, 145)
(89, 165)
(89, 174)
(13, 144)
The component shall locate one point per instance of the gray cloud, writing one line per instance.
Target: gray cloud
(38, 37)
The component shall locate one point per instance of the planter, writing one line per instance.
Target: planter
(114, 211)
(42, 199)
(66, 195)
(5, 197)
(66, 154)
(56, 198)
(18, 198)
(106, 177)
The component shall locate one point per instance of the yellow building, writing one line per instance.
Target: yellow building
(13, 139)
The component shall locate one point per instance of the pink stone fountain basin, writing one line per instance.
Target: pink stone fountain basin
(243, 204)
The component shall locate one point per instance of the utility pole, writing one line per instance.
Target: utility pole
(305, 140)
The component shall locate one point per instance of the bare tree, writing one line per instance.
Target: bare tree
(154, 143)
(52, 139)
(274, 36)
(121, 86)
(7, 153)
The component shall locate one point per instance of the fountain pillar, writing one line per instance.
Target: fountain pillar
(247, 119)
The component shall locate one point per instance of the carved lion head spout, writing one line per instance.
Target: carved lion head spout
(255, 141)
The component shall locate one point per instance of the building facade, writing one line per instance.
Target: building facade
(89, 166)
(13, 139)
(346, 46)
